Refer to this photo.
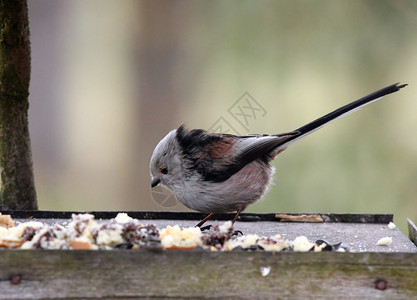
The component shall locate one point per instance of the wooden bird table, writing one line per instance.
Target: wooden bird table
(368, 271)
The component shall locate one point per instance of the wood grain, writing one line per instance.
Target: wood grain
(412, 231)
(32, 274)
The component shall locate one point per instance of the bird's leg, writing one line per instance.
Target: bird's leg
(237, 232)
(236, 216)
(204, 221)
(211, 215)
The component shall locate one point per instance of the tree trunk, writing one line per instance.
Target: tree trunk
(17, 182)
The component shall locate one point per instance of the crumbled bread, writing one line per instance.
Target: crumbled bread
(391, 226)
(3, 231)
(244, 241)
(43, 238)
(275, 243)
(302, 244)
(123, 218)
(110, 235)
(175, 237)
(217, 236)
(82, 225)
(6, 221)
(18, 230)
(10, 242)
(385, 241)
(83, 233)
(80, 244)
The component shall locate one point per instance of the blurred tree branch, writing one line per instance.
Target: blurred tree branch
(17, 181)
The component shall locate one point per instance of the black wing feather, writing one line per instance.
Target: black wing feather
(213, 155)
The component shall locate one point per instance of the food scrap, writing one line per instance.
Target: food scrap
(385, 241)
(6, 221)
(391, 226)
(83, 232)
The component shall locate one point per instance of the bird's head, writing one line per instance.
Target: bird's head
(166, 162)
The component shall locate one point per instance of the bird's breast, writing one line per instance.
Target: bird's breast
(240, 190)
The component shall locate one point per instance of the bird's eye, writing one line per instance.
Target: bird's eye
(163, 170)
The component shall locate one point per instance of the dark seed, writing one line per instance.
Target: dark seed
(327, 248)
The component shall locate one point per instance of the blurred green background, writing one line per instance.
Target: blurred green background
(111, 78)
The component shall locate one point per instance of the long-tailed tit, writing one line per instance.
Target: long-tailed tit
(218, 173)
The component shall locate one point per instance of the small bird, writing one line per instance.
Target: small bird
(218, 173)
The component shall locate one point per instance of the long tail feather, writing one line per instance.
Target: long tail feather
(340, 113)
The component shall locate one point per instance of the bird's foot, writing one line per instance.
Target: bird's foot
(207, 227)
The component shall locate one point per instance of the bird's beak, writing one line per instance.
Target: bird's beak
(155, 182)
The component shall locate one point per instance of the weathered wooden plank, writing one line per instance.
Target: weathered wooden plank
(245, 217)
(412, 231)
(145, 273)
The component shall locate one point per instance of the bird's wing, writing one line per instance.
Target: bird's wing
(219, 156)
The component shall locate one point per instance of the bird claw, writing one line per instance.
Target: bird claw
(237, 232)
(207, 227)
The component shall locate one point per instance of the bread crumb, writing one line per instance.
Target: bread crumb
(302, 244)
(175, 237)
(274, 243)
(244, 241)
(6, 221)
(385, 241)
(80, 244)
(110, 236)
(265, 271)
(391, 226)
(10, 242)
(123, 218)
